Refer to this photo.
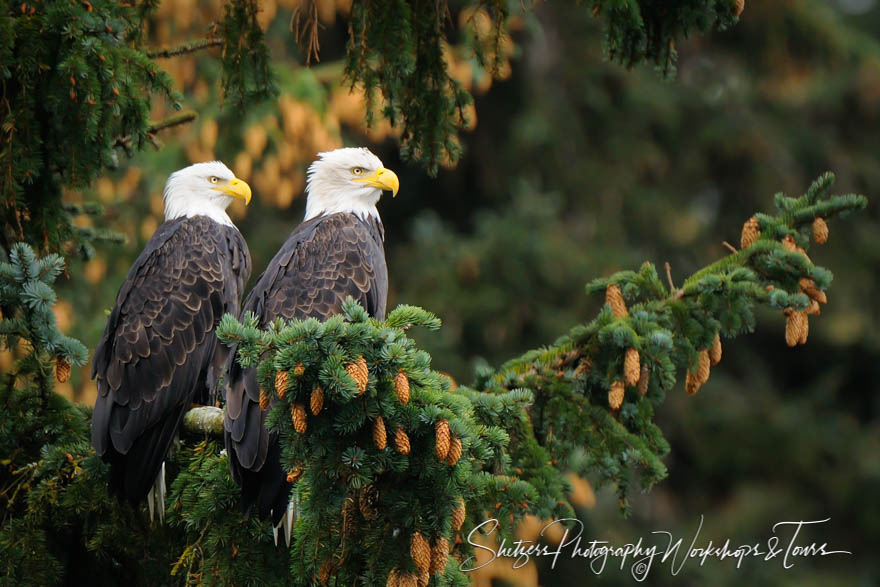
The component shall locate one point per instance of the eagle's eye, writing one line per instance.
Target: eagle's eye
(357, 170)
(214, 179)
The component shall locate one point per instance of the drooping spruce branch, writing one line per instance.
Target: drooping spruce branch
(391, 463)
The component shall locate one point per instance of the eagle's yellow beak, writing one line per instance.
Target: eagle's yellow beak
(237, 189)
(384, 179)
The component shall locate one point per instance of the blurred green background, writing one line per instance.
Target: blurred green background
(576, 168)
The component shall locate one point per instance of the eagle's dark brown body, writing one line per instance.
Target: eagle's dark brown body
(323, 261)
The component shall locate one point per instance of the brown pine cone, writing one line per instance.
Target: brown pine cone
(454, 452)
(324, 573)
(614, 298)
(615, 395)
(631, 368)
(442, 437)
(439, 555)
(281, 383)
(644, 379)
(692, 383)
(298, 415)
(299, 370)
(715, 350)
(368, 499)
(401, 386)
(797, 327)
(360, 373)
(408, 580)
(585, 366)
(393, 579)
(317, 400)
(814, 308)
(401, 441)
(820, 230)
(751, 231)
(424, 579)
(264, 400)
(380, 438)
(294, 474)
(62, 369)
(458, 515)
(703, 367)
(809, 287)
(420, 551)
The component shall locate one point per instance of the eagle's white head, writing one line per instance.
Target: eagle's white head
(203, 189)
(347, 180)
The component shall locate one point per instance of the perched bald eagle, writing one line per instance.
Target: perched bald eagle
(157, 354)
(336, 252)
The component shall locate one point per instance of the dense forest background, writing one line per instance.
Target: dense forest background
(575, 168)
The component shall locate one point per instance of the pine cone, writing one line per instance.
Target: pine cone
(299, 370)
(615, 395)
(360, 373)
(439, 556)
(264, 400)
(703, 367)
(814, 308)
(298, 415)
(408, 580)
(454, 452)
(738, 7)
(401, 386)
(820, 230)
(585, 366)
(393, 579)
(644, 379)
(281, 383)
(317, 400)
(809, 287)
(750, 233)
(631, 368)
(294, 474)
(367, 501)
(797, 327)
(614, 298)
(442, 436)
(62, 369)
(692, 383)
(424, 579)
(401, 441)
(324, 573)
(789, 244)
(380, 438)
(715, 350)
(458, 515)
(420, 551)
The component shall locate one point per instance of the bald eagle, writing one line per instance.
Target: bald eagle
(157, 354)
(336, 252)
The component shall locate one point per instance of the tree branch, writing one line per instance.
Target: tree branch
(177, 119)
(204, 420)
(191, 47)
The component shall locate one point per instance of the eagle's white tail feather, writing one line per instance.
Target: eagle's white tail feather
(156, 496)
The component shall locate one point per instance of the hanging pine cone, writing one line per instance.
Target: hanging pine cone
(360, 373)
(281, 383)
(439, 556)
(380, 438)
(454, 452)
(809, 287)
(703, 367)
(692, 383)
(298, 416)
(644, 379)
(631, 367)
(715, 350)
(424, 579)
(615, 395)
(614, 298)
(585, 366)
(814, 308)
(325, 572)
(264, 400)
(401, 387)
(820, 230)
(299, 370)
(458, 515)
(441, 430)
(420, 551)
(738, 7)
(294, 474)
(797, 327)
(393, 579)
(751, 231)
(368, 501)
(317, 400)
(789, 244)
(401, 441)
(62, 369)
(408, 580)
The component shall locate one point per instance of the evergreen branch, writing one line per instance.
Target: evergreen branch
(184, 117)
(185, 48)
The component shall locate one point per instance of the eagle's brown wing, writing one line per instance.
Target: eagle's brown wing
(156, 353)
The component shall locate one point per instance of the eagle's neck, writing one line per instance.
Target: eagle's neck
(326, 204)
(189, 207)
